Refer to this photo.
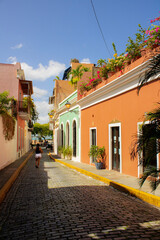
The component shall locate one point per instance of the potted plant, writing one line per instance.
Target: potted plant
(60, 150)
(97, 153)
(68, 152)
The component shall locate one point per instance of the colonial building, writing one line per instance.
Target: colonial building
(112, 114)
(69, 125)
(12, 79)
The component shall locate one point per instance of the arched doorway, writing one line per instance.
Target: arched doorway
(67, 134)
(62, 140)
(74, 139)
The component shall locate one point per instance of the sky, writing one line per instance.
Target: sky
(44, 35)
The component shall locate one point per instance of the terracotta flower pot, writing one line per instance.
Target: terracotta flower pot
(143, 52)
(104, 79)
(118, 69)
(110, 74)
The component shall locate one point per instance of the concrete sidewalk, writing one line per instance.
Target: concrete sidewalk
(9, 174)
(119, 181)
(122, 182)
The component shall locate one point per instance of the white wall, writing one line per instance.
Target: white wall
(8, 149)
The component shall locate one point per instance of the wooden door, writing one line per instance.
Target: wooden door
(115, 149)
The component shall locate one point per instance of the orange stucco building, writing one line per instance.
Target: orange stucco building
(111, 116)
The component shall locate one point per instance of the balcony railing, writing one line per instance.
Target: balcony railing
(22, 107)
(23, 110)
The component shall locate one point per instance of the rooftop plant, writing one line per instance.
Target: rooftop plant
(92, 82)
(76, 74)
(153, 34)
(143, 39)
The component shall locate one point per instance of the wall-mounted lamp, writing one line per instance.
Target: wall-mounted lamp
(68, 104)
(51, 116)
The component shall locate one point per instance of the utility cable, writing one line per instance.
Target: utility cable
(100, 29)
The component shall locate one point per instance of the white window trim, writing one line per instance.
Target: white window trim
(140, 166)
(110, 144)
(90, 130)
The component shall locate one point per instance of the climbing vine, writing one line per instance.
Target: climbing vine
(8, 126)
(8, 121)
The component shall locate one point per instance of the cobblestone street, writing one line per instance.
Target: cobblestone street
(55, 202)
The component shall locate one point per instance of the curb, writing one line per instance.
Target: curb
(8, 184)
(147, 197)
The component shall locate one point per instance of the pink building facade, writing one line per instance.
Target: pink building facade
(12, 79)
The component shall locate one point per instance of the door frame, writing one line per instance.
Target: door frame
(110, 126)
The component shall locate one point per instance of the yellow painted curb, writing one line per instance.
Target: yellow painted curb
(9, 183)
(147, 197)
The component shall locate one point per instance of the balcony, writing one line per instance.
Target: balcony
(23, 111)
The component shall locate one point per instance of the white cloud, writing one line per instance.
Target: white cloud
(18, 46)
(39, 93)
(85, 60)
(43, 72)
(12, 60)
(43, 108)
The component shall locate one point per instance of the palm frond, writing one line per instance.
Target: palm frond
(154, 180)
(153, 70)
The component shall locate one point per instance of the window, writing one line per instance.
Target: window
(93, 140)
(149, 147)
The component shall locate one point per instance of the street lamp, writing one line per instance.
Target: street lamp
(68, 104)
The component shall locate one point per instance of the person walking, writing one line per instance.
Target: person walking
(38, 155)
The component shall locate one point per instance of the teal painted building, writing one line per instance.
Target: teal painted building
(69, 125)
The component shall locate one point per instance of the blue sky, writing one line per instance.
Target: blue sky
(43, 35)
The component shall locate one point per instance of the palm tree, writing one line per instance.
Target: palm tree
(76, 74)
(149, 139)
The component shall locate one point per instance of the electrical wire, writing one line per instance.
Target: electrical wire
(100, 29)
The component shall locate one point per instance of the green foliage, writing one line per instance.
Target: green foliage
(114, 48)
(133, 49)
(150, 141)
(56, 78)
(153, 70)
(7, 119)
(28, 102)
(60, 149)
(66, 151)
(101, 62)
(77, 74)
(42, 130)
(5, 102)
(97, 152)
